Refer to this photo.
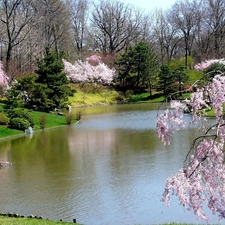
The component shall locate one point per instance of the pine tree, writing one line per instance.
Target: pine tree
(50, 72)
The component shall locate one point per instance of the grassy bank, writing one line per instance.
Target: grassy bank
(52, 120)
(90, 94)
(28, 221)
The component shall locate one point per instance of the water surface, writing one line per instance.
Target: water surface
(108, 169)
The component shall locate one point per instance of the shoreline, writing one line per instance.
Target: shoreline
(38, 130)
(73, 107)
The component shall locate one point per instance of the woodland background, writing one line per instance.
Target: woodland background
(79, 28)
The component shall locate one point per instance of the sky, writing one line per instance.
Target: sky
(149, 5)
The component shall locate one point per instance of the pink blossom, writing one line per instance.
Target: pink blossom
(94, 60)
(168, 122)
(82, 72)
(3, 77)
(205, 64)
(201, 181)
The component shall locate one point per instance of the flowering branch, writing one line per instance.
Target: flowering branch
(201, 180)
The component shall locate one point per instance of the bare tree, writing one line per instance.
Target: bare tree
(115, 25)
(165, 36)
(184, 17)
(215, 22)
(15, 16)
(53, 25)
(201, 47)
(79, 16)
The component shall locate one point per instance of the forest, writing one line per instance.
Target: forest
(76, 29)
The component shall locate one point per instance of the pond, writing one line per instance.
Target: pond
(108, 169)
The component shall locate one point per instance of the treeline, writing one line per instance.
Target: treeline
(29, 29)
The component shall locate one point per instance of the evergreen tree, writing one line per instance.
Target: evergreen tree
(172, 80)
(26, 92)
(165, 79)
(123, 67)
(50, 73)
(47, 89)
(138, 66)
(181, 77)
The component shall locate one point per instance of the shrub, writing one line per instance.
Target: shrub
(19, 123)
(42, 121)
(4, 120)
(69, 118)
(78, 115)
(24, 114)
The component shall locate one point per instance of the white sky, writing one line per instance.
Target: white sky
(149, 5)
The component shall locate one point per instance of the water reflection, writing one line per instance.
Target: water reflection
(108, 169)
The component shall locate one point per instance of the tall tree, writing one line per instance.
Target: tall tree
(53, 24)
(16, 16)
(138, 66)
(165, 36)
(184, 18)
(166, 78)
(115, 25)
(216, 24)
(50, 72)
(79, 16)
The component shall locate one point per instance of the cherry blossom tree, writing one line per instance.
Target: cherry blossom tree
(94, 60)
(3, 77)
(90, 71)
(207, 63)
(201, 180)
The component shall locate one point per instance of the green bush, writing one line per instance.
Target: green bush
(42, 121)
(19, 123)
(69, 118)
(24, 114)
(4, 120)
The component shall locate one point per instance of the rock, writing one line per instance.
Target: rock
(69, 108)
(29, 130)
(3, 164)
(31, 217)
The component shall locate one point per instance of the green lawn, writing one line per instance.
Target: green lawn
(52, 120)
(28, 221)
(145, 97)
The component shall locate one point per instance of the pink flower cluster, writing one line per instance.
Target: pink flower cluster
(201, 181)
(82, 72)
(170, 121)
(3, 77)
(205, 64)
(94, 60)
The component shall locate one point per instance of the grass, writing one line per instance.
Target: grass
(52, 120)
(5, 132)
(28, 221)
(145, 97)
(90, 94)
